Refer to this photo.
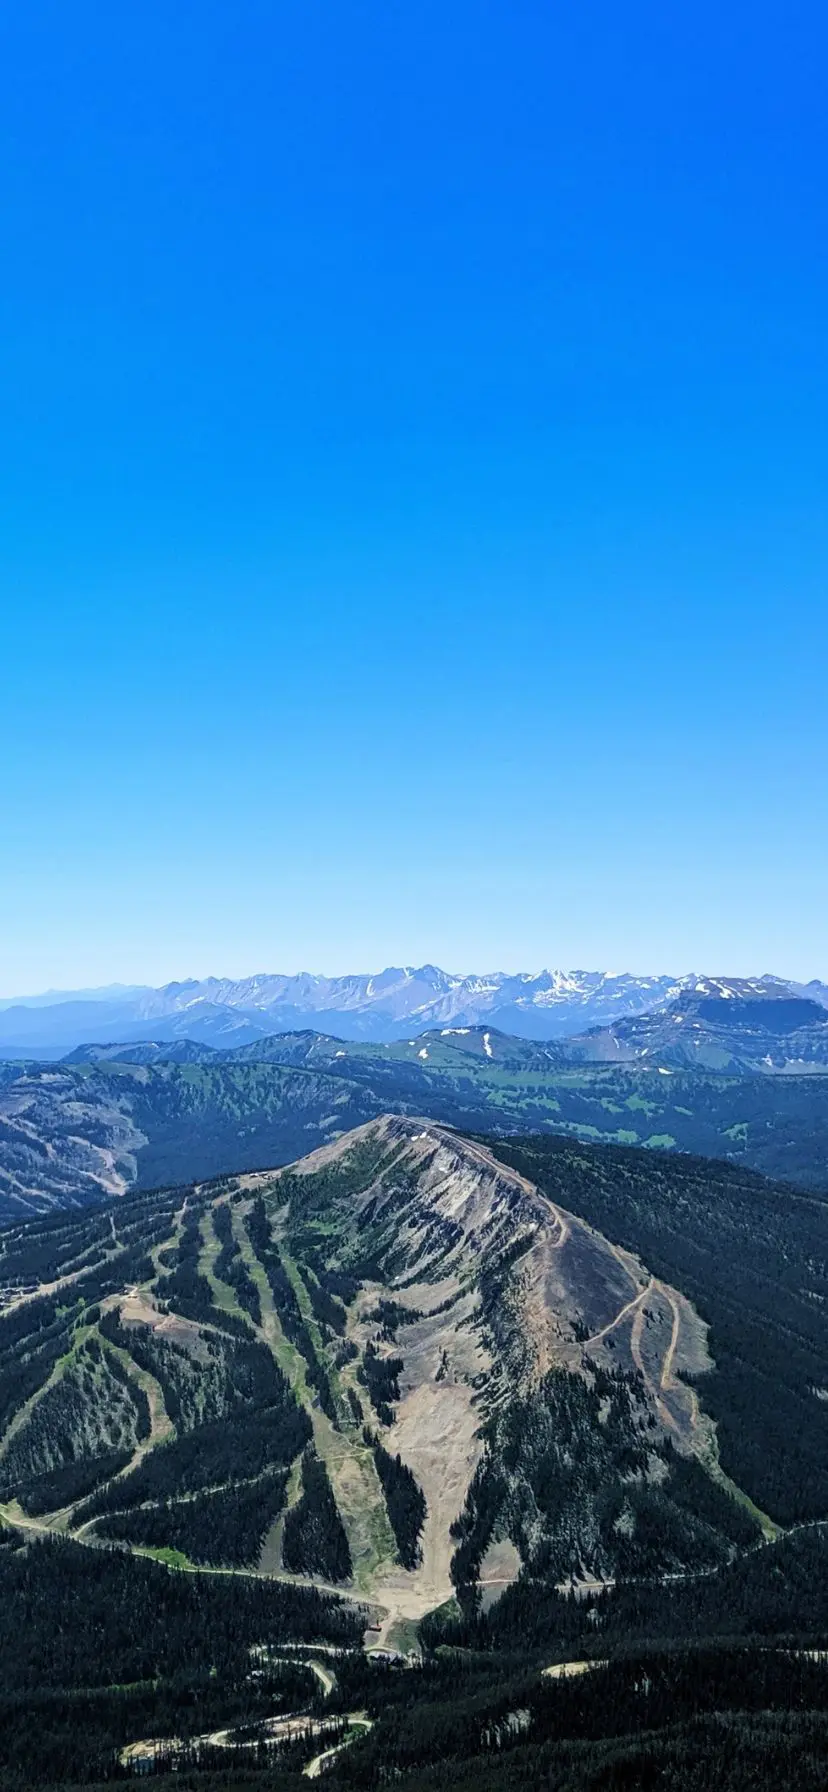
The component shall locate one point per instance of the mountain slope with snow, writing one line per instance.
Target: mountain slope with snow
(389, 1005)
(396, 1003)
(720, 1026)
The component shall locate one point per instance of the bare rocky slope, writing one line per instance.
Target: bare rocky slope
(394, 1368)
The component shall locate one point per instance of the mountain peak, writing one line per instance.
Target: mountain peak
(381, 1006)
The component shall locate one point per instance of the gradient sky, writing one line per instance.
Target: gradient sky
(413, 471)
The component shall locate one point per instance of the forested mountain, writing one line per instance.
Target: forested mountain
(70, 1135)
(560, 1403)
(101, 1124)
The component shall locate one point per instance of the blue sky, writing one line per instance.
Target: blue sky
(413, 468)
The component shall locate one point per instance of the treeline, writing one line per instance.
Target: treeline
(112, 1365)
(389, 1315)
(72, 1481)
(404, 1500)
(287, 1306)
(226, 1373)
(327, 1310)
(336, 1181)
(141, 1651)
(43, 1250)
(240, 1447)
(32, 1339)
(37, 1333)
(126, 1619)
(752, 1255)
(576, 1475)
(694, 1719)
(61, 1738)
(342, 1283)
(775, 1592)
(186, 1290)
(380, 1375)
(205, 1121)
(142, 1226)
(704, 1718)
(314, 1540)
(92, 1410)
(225, 1529)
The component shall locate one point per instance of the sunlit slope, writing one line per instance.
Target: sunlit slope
(70, 1134)
(74, 1134)
(401, 1368)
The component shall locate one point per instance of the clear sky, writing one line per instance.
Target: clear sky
(413, 474)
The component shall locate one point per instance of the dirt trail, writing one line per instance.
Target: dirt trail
(667, 1380)
(285, 1727)
(567, 1670)
(655, 1390)
(686, 1429)
(289, 1728)
(620, 1317)
(359, 1723)
(13, 1514)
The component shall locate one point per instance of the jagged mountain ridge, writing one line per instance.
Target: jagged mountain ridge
(382, 1007)
(398, 1296)
(715, 1025)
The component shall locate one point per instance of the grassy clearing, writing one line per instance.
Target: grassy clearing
(404, 1636)
(343, 1411)
(270, 1560)
(224, 1296)
(350, 1464)
(171, 1558)
(707, 1445)
(64, 1362)
(360, 1499)
(161, 1424)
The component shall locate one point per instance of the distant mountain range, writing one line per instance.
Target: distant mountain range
(768, 1035)
(717, 1027)
(393, 1004)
